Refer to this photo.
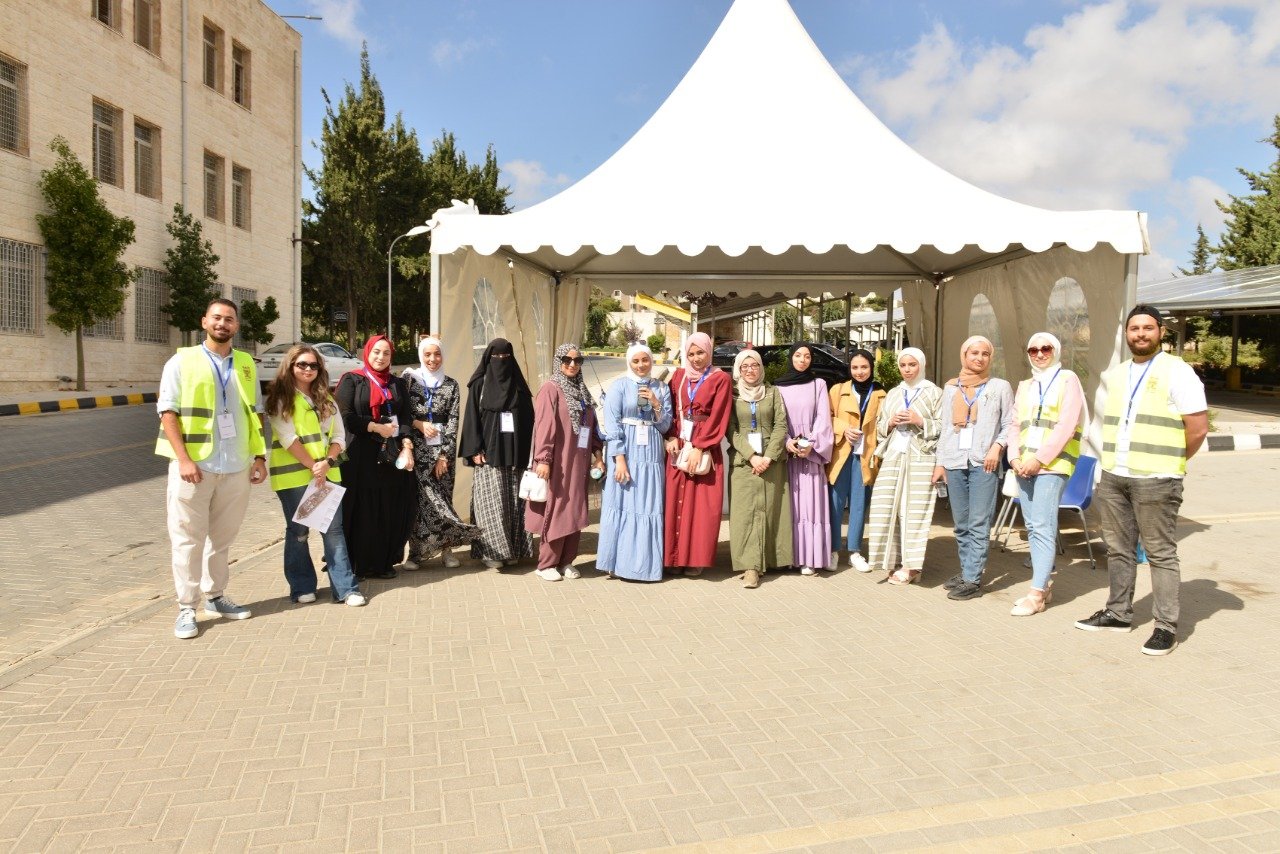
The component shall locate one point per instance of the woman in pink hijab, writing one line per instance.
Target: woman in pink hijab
(701, 396)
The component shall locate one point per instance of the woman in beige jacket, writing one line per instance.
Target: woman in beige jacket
(853, 466)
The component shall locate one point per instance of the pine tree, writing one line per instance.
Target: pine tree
(1252, 235)
(1201, 255)
(190, 271)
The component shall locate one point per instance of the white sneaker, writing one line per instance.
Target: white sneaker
(355, 599)
(493, 564)
(306, 598)
(548, 574)
(571, 572)
(409, 564)
(449, 560)
(808, 570)
(858, 562)
(834, 563)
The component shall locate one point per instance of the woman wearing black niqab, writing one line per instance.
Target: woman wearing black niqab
(496, 435)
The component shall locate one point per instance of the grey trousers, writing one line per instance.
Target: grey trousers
(1146, 508)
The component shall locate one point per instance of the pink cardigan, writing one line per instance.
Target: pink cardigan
(1069, 417)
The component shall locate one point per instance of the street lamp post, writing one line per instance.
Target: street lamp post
(413, 232)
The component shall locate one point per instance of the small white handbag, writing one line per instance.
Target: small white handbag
(682, 461)
(1010, 487)
(532, 487)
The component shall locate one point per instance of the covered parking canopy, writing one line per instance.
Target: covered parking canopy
(764, 176)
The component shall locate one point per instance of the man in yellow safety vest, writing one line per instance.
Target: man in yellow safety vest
(1155, 419)
(211, 431)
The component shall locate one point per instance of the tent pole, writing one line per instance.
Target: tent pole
(936, 361)
(848, 319)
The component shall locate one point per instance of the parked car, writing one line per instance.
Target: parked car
(337, 361)
(827, 364)
(722, 355)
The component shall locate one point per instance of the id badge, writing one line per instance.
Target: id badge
(584, 436)
(756, 441)
(433, 440)
(507, 422)
(642, 436)
(226, 426)
(965, 438)
(862, 443)
(1035, 438)
(394, 422)
(686, 431)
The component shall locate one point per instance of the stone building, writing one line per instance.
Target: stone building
(164, 101)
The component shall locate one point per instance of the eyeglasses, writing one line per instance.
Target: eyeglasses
(1040, 351)
(572, 360)
(307, 366)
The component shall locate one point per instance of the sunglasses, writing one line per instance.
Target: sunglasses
(1040, 351)
(572, 360)
(307, 366)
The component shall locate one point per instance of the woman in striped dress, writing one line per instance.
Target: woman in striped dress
(902, 500)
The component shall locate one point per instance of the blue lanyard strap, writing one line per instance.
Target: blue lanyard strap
(431, 401)
(693, 393)
(969, 403)
(1044, 391)
(223, 377)
(908, 399)
(863, 402)
(1133, 389)
(752, 404)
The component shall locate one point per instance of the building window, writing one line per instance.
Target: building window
(240, 296)
(212, 56)
(106, 144)
(240, 68)
(146, 24)
(107, 12)
(241, 194)
(111, 328)
(150, 323)
(213, 193)
(21, 287)
(146, 159)
(13, 103)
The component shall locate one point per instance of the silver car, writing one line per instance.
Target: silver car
(337, 361)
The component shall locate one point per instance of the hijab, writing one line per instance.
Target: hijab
(638, 347)
(500, 382)
(428, 378)
(574, 388)
(968, 383)
(792, 376)
(864, 388)
(917, 354)
(746, 391)
(381, 379)
(1055, 362)
(702, 341)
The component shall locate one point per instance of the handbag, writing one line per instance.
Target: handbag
(682, 461)
(532, 487)
(1010, 487)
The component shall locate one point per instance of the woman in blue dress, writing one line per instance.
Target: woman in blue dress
(637, 411)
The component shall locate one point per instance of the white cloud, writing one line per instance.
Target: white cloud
(447, 52)
(340, 20)
(530, 182)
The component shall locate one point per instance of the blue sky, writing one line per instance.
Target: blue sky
(1068, 105)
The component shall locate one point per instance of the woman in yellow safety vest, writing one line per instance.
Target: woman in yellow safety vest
(1044, 444)
(306, 439)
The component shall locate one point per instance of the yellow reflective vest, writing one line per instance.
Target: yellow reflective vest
(286, 471)
(197, 400)
(1157, 438)
(1029, 408)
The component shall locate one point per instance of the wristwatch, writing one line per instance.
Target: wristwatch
(333, 462)
(260, 457)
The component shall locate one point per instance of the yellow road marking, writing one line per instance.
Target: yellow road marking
(1257, 516)
(78, 455)
(29, 408)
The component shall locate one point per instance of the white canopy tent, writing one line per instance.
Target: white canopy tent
(764, 174)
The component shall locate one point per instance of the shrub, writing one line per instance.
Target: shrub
(777, 366)
(887, 373)
(658, 344)
(1215, 351)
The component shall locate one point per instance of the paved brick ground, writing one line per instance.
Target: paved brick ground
(466, 710)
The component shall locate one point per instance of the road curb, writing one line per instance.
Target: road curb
(102, 401)
(1243, 441)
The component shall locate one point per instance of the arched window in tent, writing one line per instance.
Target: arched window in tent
(1068, 319)
(541, 342)
(486, 319)
(982, 321)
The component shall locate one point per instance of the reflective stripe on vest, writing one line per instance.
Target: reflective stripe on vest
(1157, 439)
(286, 471)
(1028, 405)
(198, 397)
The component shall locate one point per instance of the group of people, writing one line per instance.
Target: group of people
(794, 455)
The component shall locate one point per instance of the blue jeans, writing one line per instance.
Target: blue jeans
(972, 493)
(848, 491)
(299, 570)
(1040, 497)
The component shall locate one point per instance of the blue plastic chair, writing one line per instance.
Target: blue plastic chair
(1077, 496)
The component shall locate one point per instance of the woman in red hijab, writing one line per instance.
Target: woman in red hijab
(379, 505)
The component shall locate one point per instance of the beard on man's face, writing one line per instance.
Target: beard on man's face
(1147, 347)
(222, 336)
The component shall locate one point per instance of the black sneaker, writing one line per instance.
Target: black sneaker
(1162, 642)
(965, 590)
(953, 582)
(1103, 621)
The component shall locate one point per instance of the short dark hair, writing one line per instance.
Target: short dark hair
(223, 301)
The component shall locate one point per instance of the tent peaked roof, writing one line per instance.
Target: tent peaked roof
(763, 150)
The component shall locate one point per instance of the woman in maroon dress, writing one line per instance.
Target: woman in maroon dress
(701, 396)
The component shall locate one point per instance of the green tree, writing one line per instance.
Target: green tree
(190, 272)
(1201, 255)
(887, 373)
(598, 328)
(786, 323)
(87, 281)
(255, 320)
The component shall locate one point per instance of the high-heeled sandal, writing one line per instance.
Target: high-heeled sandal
(904, 576)
(1033, 603)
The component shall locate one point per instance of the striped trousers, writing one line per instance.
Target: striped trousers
(901, 512)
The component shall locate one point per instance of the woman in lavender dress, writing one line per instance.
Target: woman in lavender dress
(809, 444)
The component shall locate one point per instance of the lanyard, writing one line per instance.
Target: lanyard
(1133, 389)
(1044, 391)
(969, 403)
(863, 401)
(908, 399)
(693, 393)
(431, 401)
(752, 404)
(223, 377)
(386, 389)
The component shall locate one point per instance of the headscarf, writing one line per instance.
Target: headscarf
(638, 347)
(380, 379)
(424, 375)
(792, 376)
(574, 388)
(1055, 361)
(500, 381)
(864, 388)
(749, 393)
(917, 354)
(702, 341)
(967, 383)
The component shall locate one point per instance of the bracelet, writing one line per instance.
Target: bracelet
(260, 457)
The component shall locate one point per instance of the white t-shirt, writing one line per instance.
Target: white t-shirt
(1186, 397)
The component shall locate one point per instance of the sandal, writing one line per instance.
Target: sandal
(1033, 603)
(904, 576)
(692, 571)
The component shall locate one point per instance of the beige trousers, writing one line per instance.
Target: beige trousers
(204, 519)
